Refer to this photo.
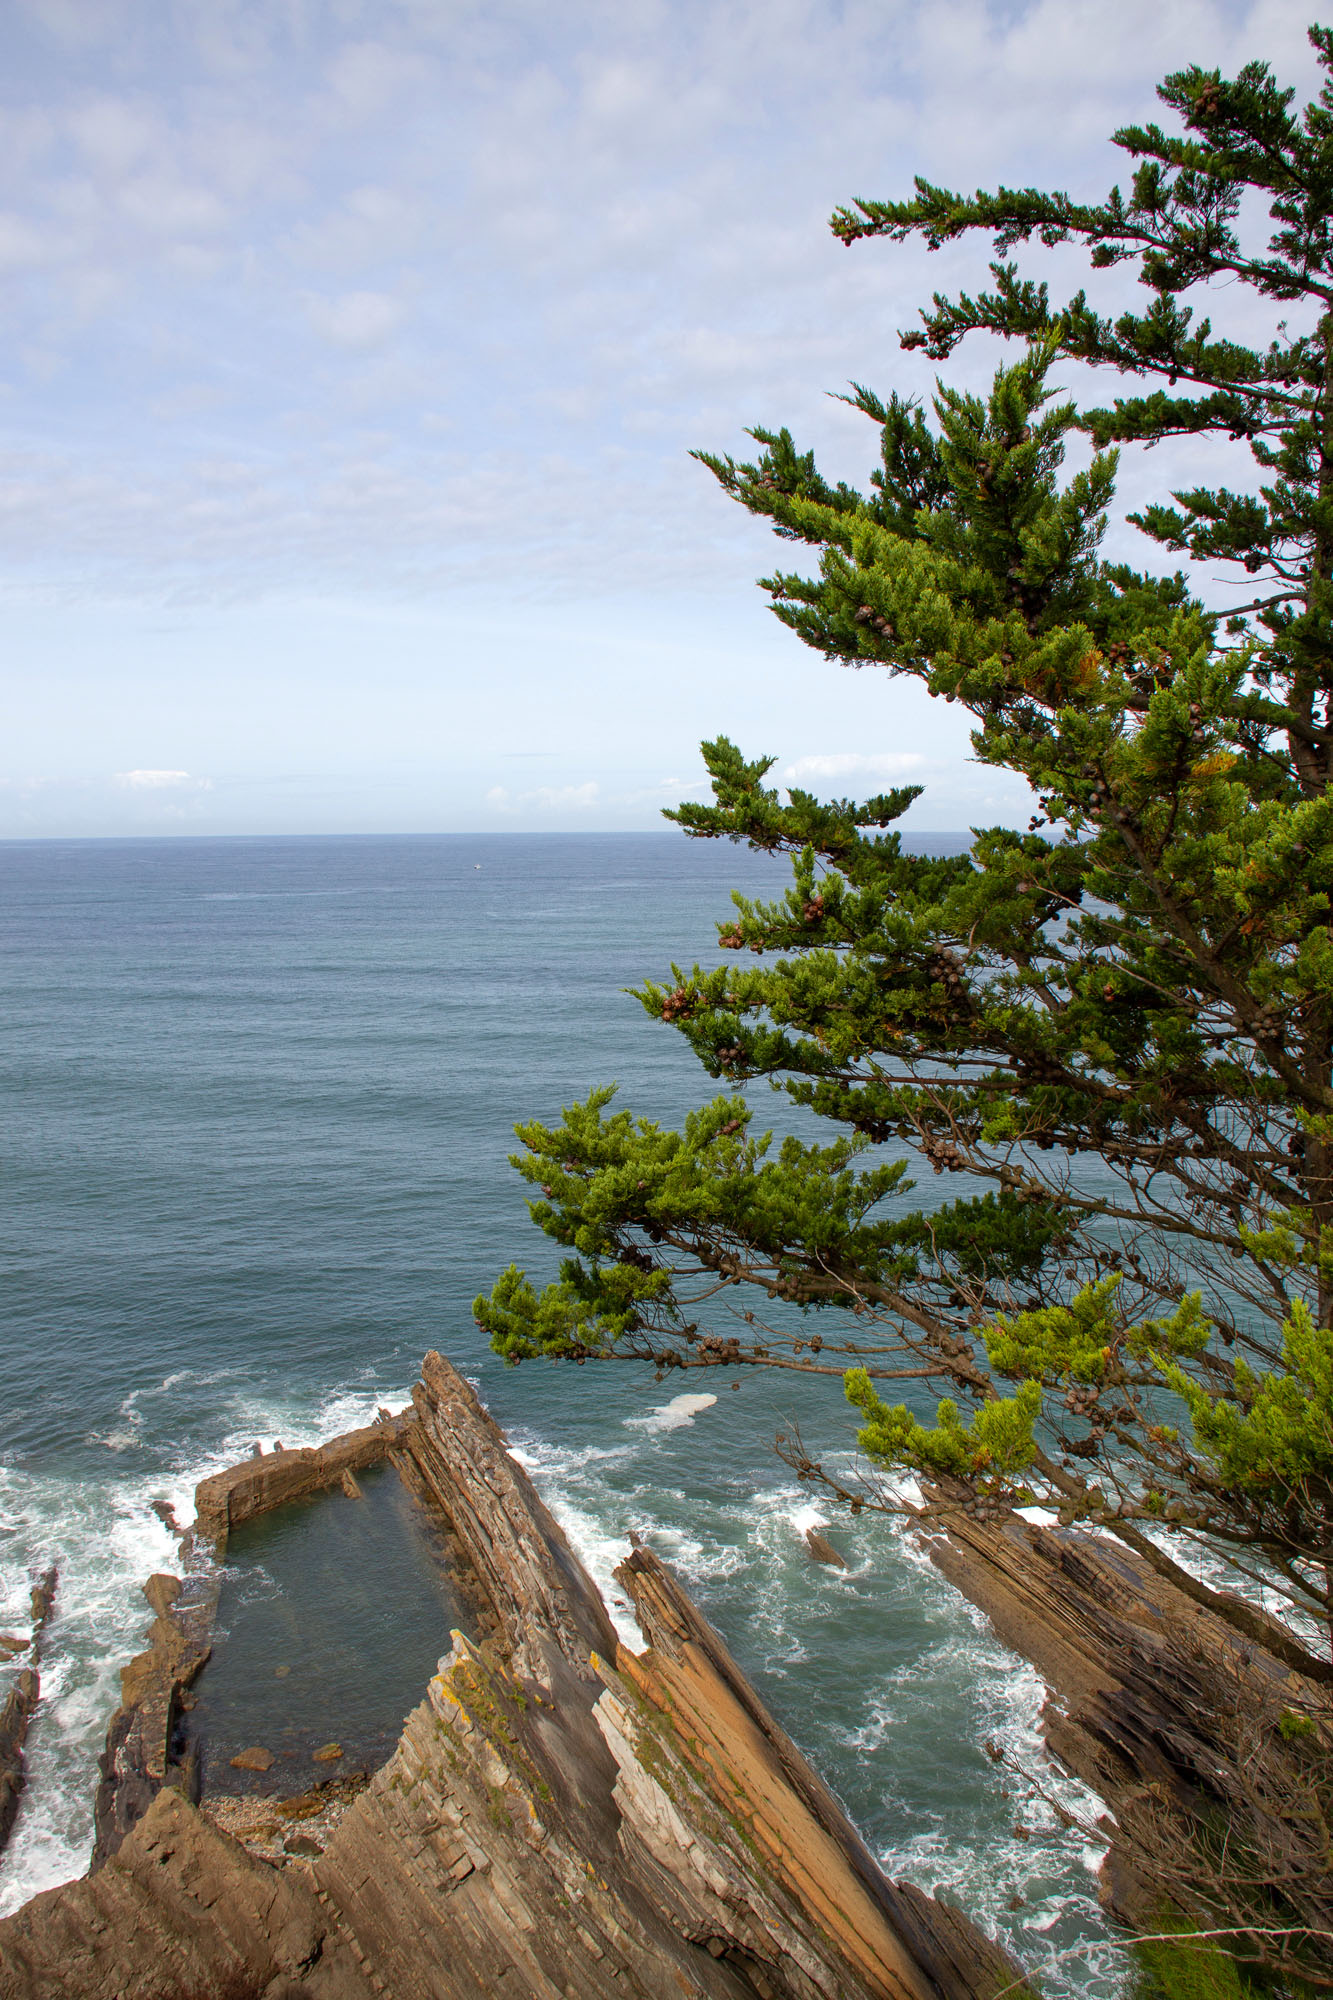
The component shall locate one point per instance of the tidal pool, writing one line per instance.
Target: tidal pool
(333, 1615)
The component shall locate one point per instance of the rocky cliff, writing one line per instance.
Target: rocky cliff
(562, 1817)
(1211, 1750)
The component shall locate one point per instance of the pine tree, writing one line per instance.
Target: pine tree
(1115, 1030)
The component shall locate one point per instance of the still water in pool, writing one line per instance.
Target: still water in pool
(333, 1615)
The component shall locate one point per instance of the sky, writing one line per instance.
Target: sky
(353, 351)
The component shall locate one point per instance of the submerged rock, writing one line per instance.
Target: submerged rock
(255, 1759)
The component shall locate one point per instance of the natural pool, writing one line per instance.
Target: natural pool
(332, 1617)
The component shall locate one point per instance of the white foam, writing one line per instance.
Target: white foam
(599, 1546)
(672, 1416)
(1033, 1861)
(106, 1542)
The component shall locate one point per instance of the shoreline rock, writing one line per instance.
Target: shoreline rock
(19, 1707)
(561, 1816)
(278, 1477)
(1176, 1720)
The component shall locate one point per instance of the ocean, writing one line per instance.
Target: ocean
(259, 1101)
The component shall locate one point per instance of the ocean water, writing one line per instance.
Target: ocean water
(328, 1626)
(259, 1097)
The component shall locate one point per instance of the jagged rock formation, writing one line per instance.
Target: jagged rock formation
(147, 1747)
(180, 1912)
(272, 1479)
(142, 1744)
(799, 1856)
(562, 1817)
(19, 1707)
(1182, 1724)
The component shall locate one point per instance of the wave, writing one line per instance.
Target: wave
(106, 1540)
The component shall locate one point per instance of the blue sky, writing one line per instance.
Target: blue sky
(352, 352)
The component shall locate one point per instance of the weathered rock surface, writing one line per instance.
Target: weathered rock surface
(141, 1755)
(271, 1480)
(1171, 1715)
(146, 1747)
(562, 1818)
(822, 1549)
(19, 1707)
(699, 1755)
(180, 1912)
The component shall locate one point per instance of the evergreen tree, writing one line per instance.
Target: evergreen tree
(1113, 1031)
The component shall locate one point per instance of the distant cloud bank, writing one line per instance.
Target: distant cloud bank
(161, 781)
(857, 764)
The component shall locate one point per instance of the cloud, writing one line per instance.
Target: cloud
(357, 319)
(402, 307)
(110, 133)
(566, 798)
(161, 781)
(170, 207)
(535, 253)
(367, 77)
(547, 798)
(856, 764)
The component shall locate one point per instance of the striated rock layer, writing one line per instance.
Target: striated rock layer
(562, 1817)
(1181, 1723)
(19, 1707)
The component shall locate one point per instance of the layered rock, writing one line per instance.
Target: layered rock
(180, 1912)
(19, 1707)
(144, 1751)
(562, 1817)
(1181, 1723)
(276, 1478)
(694, 1745)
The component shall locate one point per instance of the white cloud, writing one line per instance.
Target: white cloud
(367, 226)
(366, 77)
(161, 781)
(556, 252)
(546, 798)
(397, 305)
(566, 798)
(112, 134)
(357, 319)
(167, 206)
(20, 245)
(855, 764)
